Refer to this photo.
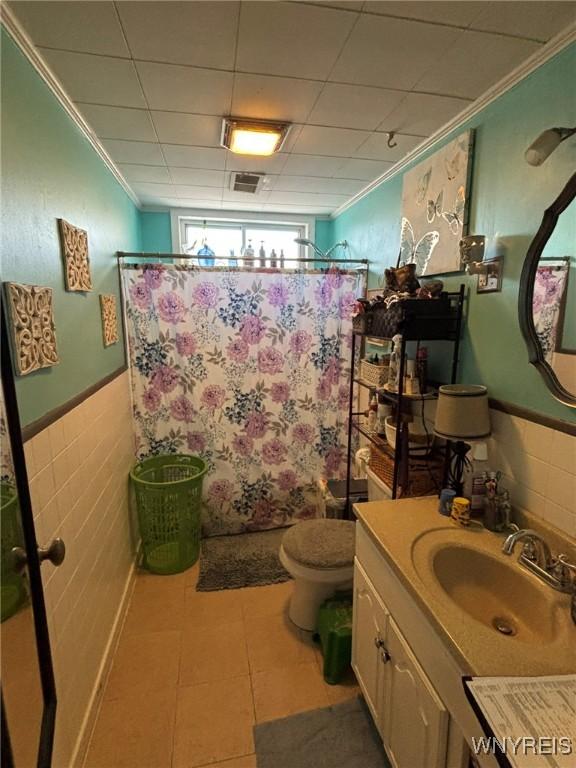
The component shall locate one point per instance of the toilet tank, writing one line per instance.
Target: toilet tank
(377, 488)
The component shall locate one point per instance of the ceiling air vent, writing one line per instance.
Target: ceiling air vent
(246, 182)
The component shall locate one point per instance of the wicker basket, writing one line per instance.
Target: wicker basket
(382, 465)
(374, 373)
(424, 477)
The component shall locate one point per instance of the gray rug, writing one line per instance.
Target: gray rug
(342, 736)
(245, 560)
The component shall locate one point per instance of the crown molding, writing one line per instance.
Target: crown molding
(540, 57)
(25, 44)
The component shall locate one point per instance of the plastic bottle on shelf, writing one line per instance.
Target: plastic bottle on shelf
(412, 383)
(394, 369)
(372, 411)
(475, 479)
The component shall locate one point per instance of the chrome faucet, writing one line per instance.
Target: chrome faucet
(535, 549)
(558, 572)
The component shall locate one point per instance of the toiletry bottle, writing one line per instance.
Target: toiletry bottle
(478, 476)
(394, 369)
(372, 411)
(273, 258)
(412, 384)
(262, 254)
(384, 410)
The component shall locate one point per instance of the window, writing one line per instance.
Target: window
(242, 243)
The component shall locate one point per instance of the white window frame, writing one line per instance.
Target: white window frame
(179, 217)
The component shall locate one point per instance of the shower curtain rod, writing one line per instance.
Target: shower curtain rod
(123, 255)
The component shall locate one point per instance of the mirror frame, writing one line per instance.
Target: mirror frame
(526, 293)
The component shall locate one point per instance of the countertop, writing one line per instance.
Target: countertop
(409, 533)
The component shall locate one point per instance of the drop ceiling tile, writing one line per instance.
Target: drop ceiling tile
(390, 52)
(196, 33)
(85, 27)
(178, 128)
(309, 210)
(311, 165)
(119, 122)
(195, 157)
(366, 170)
(307, 198)
(230, 197)
(96, 79)
(291, 39)
(453, 72)
(136, 152)
(213, 205)
(540, 21)
(460, 14)
(337, 142)
(274, 98)
(197, 177)
(422, 114)
(272, 164)
(231, 206)
(150, 173)
(314, 184)
(354, 106)
(154, 190)
(154, 201)
(186, 89)
(199, 193)
(376, 147)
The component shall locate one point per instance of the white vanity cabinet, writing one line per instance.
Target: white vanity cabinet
(409, 715)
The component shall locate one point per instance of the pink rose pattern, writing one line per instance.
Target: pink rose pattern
(230, 366)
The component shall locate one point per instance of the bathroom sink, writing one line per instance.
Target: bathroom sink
(498, 594)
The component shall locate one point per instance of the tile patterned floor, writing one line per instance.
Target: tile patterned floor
(194, 671)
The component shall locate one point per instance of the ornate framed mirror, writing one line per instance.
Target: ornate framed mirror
(547, 297)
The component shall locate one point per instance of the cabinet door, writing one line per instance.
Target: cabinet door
(415, 725)
(368, 635)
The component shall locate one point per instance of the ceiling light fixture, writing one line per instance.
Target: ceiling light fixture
(253, 137)
(546, 143)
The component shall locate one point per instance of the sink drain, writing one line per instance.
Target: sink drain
(503, 626)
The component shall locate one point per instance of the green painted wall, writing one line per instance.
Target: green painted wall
(508, 198)
(156, 231)
(50, 171)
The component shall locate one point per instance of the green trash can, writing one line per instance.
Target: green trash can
(334, 631)
(168, 499)
(12, 588)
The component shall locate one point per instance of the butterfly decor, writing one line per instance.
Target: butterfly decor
(423, 185)
(434, 208)
(419, 253)
(455, 218)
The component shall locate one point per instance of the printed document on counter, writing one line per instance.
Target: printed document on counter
(532, 720)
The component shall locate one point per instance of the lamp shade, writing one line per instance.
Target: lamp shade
(462, 412)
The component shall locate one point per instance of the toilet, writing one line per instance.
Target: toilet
(319, 555)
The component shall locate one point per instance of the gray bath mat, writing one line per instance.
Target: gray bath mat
(341, 736)
(245, 560)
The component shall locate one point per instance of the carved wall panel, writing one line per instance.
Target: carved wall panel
(32, 325)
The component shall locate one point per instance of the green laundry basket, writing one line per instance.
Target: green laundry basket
(168, 498)
(12, 588)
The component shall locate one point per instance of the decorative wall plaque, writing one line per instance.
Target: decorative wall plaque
(75, 254)
(109, 319)
(32, 324)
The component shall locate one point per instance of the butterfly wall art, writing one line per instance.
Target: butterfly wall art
(435, 208)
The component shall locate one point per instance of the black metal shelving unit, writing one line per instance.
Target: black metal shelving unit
(436, 328)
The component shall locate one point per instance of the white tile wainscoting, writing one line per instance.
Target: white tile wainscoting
(78, 474)
(539, 468)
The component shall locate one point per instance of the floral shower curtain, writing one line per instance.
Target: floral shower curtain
(250, 370)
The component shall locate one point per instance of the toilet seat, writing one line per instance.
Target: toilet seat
(319, 555)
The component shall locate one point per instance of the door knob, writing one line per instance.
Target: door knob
(56, 553)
